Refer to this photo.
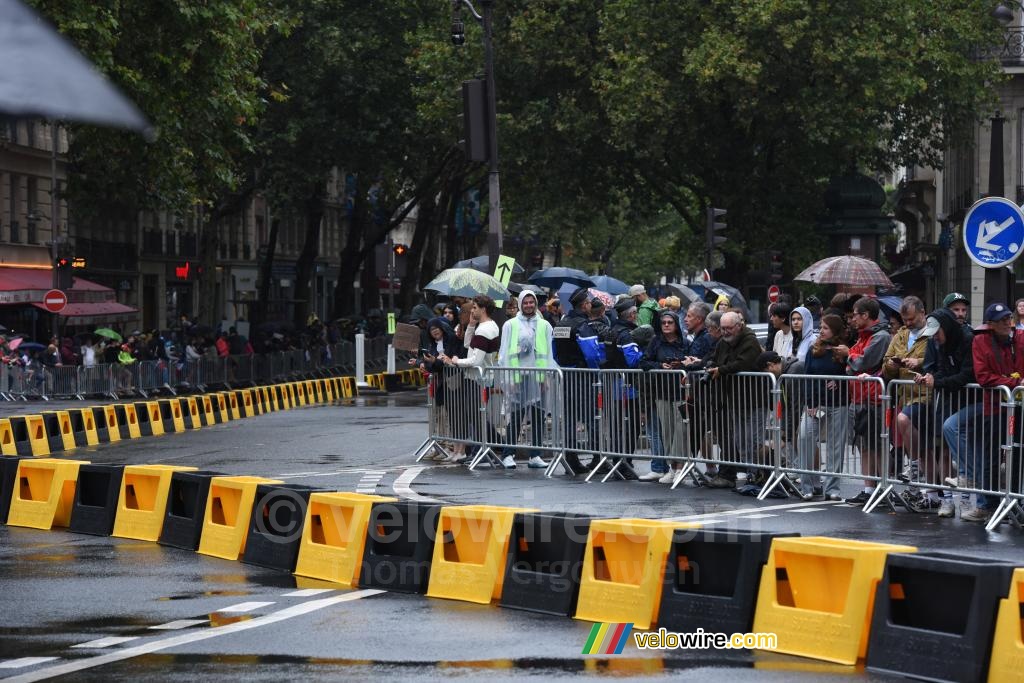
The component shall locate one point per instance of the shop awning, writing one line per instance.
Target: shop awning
(92, 312)
(28, 285)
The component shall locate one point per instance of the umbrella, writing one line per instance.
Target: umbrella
(15, 343)
(32, 346)
(606, 283)
(558, 276)
(482, 263)
(685, 293)
(516, 288)
(43, 76)
(468, 283)
(105, 331)
(845, 270)
(891, 303)
(713, 289)
(606, 298)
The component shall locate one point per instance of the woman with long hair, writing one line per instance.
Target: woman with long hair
(825, 403)
(1018, 314)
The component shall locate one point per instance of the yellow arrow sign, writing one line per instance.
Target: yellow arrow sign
(503, 272)
(391, 323)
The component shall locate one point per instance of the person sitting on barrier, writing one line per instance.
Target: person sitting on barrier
(864, 360)
(948, 368)
(737, 351)
(526, 342)
(825, 403)
(904, 360)
(998, 362)
(667, 351)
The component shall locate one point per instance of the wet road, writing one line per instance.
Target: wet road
(110, 609)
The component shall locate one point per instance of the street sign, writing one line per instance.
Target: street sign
(994, 232)
(773, 294)
(391, 323)
(55, 300)
(503, 272)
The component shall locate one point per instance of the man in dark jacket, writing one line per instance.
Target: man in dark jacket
(579, 399)
(620, 401)
(737, 351)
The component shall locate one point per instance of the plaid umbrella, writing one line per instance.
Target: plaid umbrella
(468, 283)
(845, 270)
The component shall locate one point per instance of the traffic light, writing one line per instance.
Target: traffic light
(400, 249)
(775, 265)
(63, 267)
(401, 252)
(475, 134)
(713, 226)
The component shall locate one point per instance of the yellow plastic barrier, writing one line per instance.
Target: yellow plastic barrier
(1007, 660)
(289, 395)
(131, 420)
(259, 407)
(195, 420)
(348, 387)
(7, 444)
(334, 535)
(232, 398)
(207, 408)
(220, 401)
(92, 437)
(312, 394)
(67, 431)
(271, 398)
(156, 419)
(326, 390)
(45, 493)
(244, 403)
(35, 431)
(469, 555)
(142, 503)
(113, 428)
(228, 510)
(624, 569)
(173, 406)
(817, 595)
(298, 394)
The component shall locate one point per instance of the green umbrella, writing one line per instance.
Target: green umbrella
(108, 333)
(468, 283)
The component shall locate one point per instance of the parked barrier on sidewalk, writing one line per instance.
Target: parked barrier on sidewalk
(45, 493)
(106, 424)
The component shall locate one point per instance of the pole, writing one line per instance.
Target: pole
(54, 213)
(493, 188)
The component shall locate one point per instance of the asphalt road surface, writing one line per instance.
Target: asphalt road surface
(98, 608)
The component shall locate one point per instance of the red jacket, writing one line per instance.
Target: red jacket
(222, 347)
(995, 363)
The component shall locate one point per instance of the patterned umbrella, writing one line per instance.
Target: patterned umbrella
(606, 298)
(468, 283)
(845, 270)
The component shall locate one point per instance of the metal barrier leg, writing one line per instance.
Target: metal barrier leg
(597, 467)
(1007, 506)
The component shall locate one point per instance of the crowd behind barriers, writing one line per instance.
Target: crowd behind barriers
(844, 394)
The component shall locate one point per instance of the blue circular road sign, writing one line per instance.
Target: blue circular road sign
(994, 232)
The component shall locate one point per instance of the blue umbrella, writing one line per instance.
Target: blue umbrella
(558, 276)
(606, 283)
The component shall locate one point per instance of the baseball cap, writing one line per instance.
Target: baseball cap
(930, 327)
(953, 297)
(996, 312)
(637, 290)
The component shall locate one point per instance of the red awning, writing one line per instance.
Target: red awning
(28, 285)
(95, 312)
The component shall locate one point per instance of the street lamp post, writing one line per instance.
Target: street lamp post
(494, 238)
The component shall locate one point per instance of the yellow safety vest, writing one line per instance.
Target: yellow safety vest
(541, 349)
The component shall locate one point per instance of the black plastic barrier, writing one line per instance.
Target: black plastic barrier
(935, 615)
(711, 579)
(191, 421)
(275, 526)
(54, 436)
(8, 480)
(96, 496)
(99, 416)
(186, 505)
(400, 546)
(545, 562)
(145, 423)
(78, 428)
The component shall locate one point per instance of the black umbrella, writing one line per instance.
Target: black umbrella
(482, 263)
(43, 76)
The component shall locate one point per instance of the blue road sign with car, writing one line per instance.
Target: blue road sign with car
(994, 232)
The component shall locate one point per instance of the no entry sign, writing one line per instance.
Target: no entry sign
(773, 294)
(55, 300)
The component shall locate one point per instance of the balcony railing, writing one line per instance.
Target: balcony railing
(1010, 52)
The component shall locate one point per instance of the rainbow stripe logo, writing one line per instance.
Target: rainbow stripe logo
(607, 639)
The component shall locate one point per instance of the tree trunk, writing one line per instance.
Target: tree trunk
(209, 246)
(304, 267)
(418, 253)
(266, 273)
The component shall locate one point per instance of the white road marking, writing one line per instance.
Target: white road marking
(331, 473)
(243, 607)
(762, 516)
(369, 482)
(307, 592)
(747, 511)
(106, 642)
(404, 481)
(156, 645)
(809, 510)
(24, 661)
(179, 624)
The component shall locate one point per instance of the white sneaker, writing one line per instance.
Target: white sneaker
(976, 515)
(536, 462)
(957, 482)
(509, 462)
(650, 476)
(946, 508)
(456, 458)
(668, 477)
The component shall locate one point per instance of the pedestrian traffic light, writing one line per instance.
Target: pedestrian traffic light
(63, 267)
(713, 226)
(475, 133)
(400, 249)
(775, 265)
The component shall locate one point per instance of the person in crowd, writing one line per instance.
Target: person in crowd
(960, 306)
(1018, 314)
(526, 342)
(673, 303)
(864, 360)
(222, 346)
(598, 319)
(722, 303)
(667, 351)
(702, 340)
(647, 308)
(420, 316)
(511, 308)
(782, 341)
(802, 323)
(553, 311)
(457, 410)
(823, 403)
(451, 314)
(813, 304)
(622, 353)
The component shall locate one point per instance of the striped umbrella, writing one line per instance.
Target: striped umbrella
(845, 270)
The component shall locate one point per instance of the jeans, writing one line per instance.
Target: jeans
(671, 424)
(515, 424)
(654, 436)
(974, 460)
(836, 419)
